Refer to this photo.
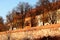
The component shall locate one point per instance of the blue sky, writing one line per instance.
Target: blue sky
(8, 5)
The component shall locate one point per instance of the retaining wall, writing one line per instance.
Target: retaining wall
(31, 33)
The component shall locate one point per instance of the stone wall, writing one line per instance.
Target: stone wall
(32, 33)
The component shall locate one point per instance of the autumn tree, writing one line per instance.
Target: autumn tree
(42, 7)
(49, 7)
(17, 16)
(23, 8)
(9, 18)
(1, 20)
(53, 0)
(2, 26)
(14, 19)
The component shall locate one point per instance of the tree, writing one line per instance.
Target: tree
(2, 26)
(17, 16)
(53, 17)
(23, 8)
(1, 20)
(38, 3)
(47, 6)
(42, 2)
(53, 0)
(14, 19)
(10, 17)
